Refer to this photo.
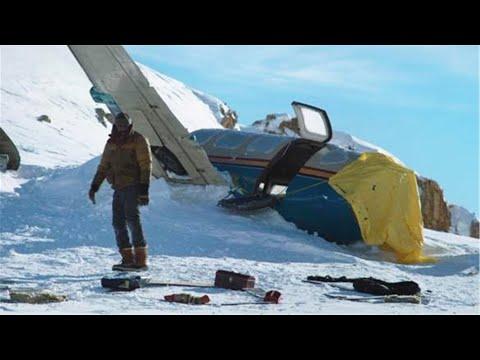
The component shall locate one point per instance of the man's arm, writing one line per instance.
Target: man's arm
(144, 159)
(100, 175)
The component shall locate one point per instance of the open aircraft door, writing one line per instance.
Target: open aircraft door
(315, 132)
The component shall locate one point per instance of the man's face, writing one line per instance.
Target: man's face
(122, 127)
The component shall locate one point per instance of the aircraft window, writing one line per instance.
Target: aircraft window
(335, 156)
(202, 137)
(231, 140)
(264, 144)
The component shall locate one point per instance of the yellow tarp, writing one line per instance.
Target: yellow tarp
(384, 197)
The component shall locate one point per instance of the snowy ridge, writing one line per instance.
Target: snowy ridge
(216, 105)
(461, 220)
(349, 142)
(192, 111)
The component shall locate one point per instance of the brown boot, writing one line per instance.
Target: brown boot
(128, 260)
(141, 258)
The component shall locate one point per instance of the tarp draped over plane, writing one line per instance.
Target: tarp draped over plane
(384, 197)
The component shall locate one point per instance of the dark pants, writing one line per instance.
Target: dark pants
(126, 212)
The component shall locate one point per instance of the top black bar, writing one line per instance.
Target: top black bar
(202, 23)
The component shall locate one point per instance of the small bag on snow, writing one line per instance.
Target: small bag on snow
(379, 287)
(234, 281)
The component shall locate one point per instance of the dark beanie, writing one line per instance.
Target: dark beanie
(123, 119)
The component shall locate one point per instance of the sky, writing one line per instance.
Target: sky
(421, 103)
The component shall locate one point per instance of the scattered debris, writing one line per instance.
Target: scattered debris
(234, 281)
(188, 299)
(372, 286)
(223, 280)
(412, 299)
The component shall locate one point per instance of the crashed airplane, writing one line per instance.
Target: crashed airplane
(342, 196)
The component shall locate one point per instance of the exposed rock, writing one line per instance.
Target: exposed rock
(279, 124)
(229, 118)
(435, 212)
(291, 125)
(474, 229)
(44, 118)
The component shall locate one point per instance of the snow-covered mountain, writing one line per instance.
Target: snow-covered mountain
(47, 80)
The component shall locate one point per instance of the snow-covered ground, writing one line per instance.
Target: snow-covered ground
(53, 238)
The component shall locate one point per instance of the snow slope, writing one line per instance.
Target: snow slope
(349, 142)
(193, 112)
(52, 238)
(47, 80)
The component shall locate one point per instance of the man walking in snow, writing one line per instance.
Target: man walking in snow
(127, 165)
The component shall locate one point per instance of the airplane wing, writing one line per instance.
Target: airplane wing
(112, 71)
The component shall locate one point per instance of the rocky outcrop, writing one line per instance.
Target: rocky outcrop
(435, 212)
(279, 124)
(474, 229)
(229, 118)
(44, 118)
